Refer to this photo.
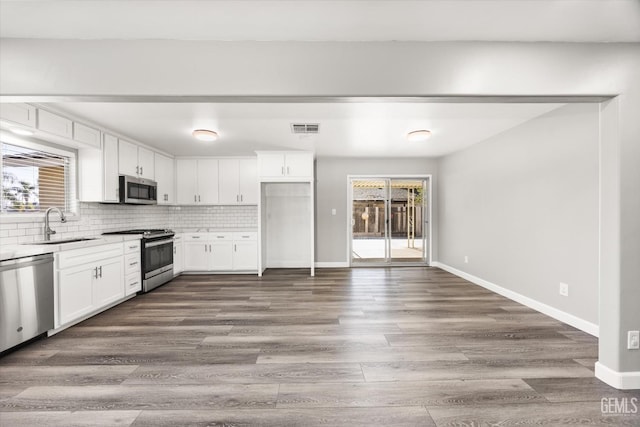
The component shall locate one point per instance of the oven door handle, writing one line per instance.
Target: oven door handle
(158, 243)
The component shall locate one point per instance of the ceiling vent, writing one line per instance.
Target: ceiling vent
(304, 128)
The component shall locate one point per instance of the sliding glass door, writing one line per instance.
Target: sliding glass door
(389, 221)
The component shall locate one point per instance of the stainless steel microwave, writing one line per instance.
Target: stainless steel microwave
(138, 191)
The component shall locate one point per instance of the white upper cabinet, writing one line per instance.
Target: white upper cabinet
(127, 158)
(165, 179)
(208, 181)
(98, 172)
(55, 124)
(146, 163)
(135, 160)
(186, 181)
(23, 114)
(229, 181)
(86, 135)
(197, 181)
(110, 165)
(285, 166)
(249, 181)
(298, 165)
(238, 181)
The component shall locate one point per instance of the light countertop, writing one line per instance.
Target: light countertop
(21, 251)
(214, 230)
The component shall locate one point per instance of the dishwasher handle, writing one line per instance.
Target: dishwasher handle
(13, 264)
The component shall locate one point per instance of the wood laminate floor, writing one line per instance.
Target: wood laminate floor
(349, 347)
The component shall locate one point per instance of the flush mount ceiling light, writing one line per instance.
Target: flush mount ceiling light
(418, 135)
(20, 131)
(204, 135)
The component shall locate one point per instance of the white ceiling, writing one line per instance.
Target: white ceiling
(426, 20)
(346, 129)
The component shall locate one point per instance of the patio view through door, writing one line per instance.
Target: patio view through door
(389, 221)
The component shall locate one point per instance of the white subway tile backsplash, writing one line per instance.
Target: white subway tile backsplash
(96, 218)
(9, 240)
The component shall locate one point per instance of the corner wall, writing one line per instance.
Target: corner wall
(523, 206)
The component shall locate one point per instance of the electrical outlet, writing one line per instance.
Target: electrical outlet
(466, 259)
(564, 289)
(633, 340)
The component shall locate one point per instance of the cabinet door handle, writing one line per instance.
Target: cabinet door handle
(237, 198)
(282, 170)
(199, 198)
(95, 273)
(195, 198)
(140, 170)
(137, 170)
(288, 173)
(131, 264)
(241, 197)
(205, 248)
(101, 272)
(235, 248)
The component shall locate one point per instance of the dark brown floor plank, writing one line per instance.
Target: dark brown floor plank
(247, 374)
(328, 417)
(408, 393)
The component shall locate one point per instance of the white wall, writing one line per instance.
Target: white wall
(332, 190)
(523, 206)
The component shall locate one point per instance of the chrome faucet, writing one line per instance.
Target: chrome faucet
(47, 230)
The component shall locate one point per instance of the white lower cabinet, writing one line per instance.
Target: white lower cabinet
(108, 286)
(75, 293)
(132, 267)
(226, 251)
(88, 280)
(196, 254)
(245, 251)
(178, 255)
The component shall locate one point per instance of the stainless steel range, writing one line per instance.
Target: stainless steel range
(156, 256)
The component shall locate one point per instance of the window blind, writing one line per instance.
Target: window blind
(34, 180)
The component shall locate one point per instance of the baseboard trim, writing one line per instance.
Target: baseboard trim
(619, 380)
(570, 319)
(333, 264)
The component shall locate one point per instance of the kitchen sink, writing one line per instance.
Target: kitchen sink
(57, 242)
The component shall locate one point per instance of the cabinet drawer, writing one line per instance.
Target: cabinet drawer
(132, 263)
(133, 283)
(66, 259)
(221, 236)
(195, 237)
(245, 235)
(132, 246)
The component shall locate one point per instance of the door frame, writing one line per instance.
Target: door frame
(429, 211)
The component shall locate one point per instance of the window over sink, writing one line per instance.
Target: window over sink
(36, 177)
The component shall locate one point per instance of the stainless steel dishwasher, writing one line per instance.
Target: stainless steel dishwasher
(26, 299)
